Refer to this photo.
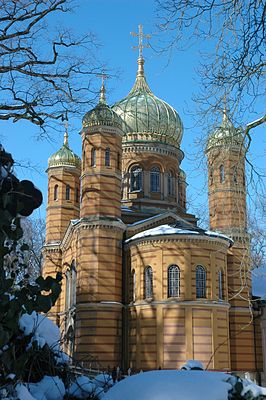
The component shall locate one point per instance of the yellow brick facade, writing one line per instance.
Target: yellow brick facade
(143, 286)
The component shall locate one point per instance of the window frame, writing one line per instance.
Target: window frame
(136, 180)
(107, 157)
(201, 282)
(173, 281)
(148, 282)
(155, 184)
(93, 157)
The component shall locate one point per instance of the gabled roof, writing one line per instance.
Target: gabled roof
(157, 220)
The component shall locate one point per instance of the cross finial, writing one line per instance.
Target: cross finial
(102, 91)
(141, 36)
(66, 130)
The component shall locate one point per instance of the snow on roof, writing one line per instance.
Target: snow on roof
(179, 385)
(172, 230)
(170, 385)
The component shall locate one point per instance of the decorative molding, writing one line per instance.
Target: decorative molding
(177, 238)
(182, 303)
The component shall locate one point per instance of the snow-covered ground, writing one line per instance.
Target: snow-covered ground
(190, 383)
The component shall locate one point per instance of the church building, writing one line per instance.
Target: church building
(143, 285)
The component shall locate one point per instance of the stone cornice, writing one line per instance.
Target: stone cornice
(91, 223)
(226, 190)
(102, 129)
(181, 303)
(110, 304)
(177, 238)
(101, 173)
(164, 149)
(51, 247)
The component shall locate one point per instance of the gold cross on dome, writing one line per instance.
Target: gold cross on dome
(103, 77)
(141, 36)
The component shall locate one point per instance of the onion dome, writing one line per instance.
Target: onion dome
(182, 175)
(102, 114)
(64, 157)
(225, 135)
(144, 114)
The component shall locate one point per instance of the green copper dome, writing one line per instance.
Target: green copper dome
(102, 114)
(64, 157)
(225, 135)
(148, 116)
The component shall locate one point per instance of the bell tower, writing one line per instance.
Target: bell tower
(99, 238)
(62, 206)
(226, 152)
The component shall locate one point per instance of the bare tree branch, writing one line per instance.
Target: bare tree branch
(42, 71)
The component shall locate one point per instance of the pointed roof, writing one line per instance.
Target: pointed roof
(64, 157)
(226, 134)
(102, 114)
(143, 112)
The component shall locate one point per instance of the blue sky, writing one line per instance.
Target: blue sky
(174, 79)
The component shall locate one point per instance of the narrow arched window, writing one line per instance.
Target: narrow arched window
(77, 195)
(155, 179)
(211, 176)
(136, 179)
(56, 192)
(222, 174)
(107, 157)
(148, 283)
(73, 283)
(118, 161)
(173, 281)
(67, 192)
(200, 282)
(170, 184)
(133, 286)
(235, 174)
(68, 290)
(93, 157)
(220, 284)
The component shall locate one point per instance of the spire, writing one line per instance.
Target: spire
(66, 132)
(140, 83)
(102, 99)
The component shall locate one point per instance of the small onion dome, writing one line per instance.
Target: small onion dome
(102, 114)
(64, 157)
(143, 112)
(225, 135)
(182, 175)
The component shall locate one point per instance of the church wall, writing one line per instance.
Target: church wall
(60, 210)
(146, 158)
(165, 332)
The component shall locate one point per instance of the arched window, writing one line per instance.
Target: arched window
(93, 157)
(200, 282)
(107, 157)
(56, 192)
(77, 195)
(67, 192)
(155, 179)
(148, 283)
(173, 281)
(71, 282)
(211, 176)
(220, 284)
(170, 184)
(136, 179)
(118, 161)
(235, 174)
(133, 286)
(222, 174)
